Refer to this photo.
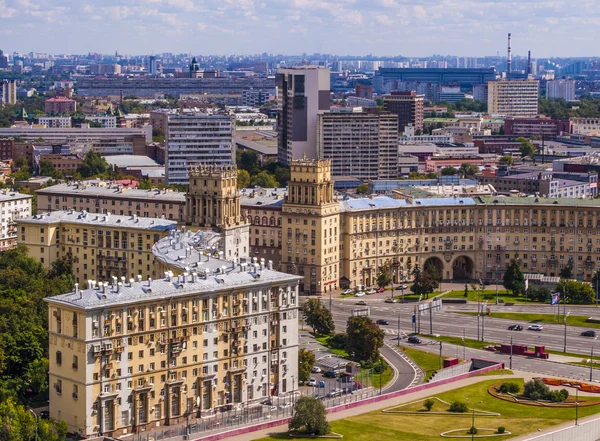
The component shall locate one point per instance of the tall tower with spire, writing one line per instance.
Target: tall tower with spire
(194, 68)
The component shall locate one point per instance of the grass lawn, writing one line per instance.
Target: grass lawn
(427, 361)
(517, 418)
(324, 340)
(488, 294)
(572, 320)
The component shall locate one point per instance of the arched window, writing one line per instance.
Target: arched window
(257, 220)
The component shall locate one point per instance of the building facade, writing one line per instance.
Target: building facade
(100, 245)
(60, 105)
(131, 356)
(302, 94)
(13, 207)
(545, 127)
(518, 98)
(8, 92)
(197, 139)
(408, 106)
(7, 146)
(586, 126)
(361, 144)
(561, 89)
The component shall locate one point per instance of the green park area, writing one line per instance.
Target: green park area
(412, 421)
(428, 362)
(488, 295)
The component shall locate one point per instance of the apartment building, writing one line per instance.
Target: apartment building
(7, 146)
(544, 127)
(302, 93)
(90, 136)
(585, 126)
(8, 92)
(561, 89)
(359, 143)
(13, 206)
(135, 355)
(518, 98)
(197, 138)
(59, 105)
(408, 106)
(101, 245)
(96, 196)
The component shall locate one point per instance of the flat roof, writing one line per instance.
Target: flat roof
(6, 196)
(385, 202)
(533, 201)
(131, 161)
(263, 197)
(110, 190)
(97, 219)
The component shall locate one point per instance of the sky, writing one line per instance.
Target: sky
(344, 27)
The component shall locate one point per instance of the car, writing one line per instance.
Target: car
(487, 283)
(286, 405)
(321, 384)
(515, 328)
(359, 294)
(45, 415)
(361, 303)
(588, 334)
(535, 327)
(266, 403)
(382, 289)
(316, 370)
(330, 374)
(401, 287)
(382, 322)
(371, 291)
(391, 300)
(414, 339)
(312, 382)
(335, 393)
(347, 291)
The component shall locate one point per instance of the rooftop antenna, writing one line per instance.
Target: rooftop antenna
(509, 59)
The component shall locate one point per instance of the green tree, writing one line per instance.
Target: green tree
(566, 272)
(18, 423)
(416, 175)
(468, 170)
(243, 178)
(577, 292)
(384, 276)
(247, 160)
(506, 159)
(145, 184)
(429, 404)
(317, 316)
(596, 280)
(449, 171)
(93, 164)
(47, 168)
(425, 282)
(158, 135)
(310, 417)
(306, 361)
(363, 338)
(264, 179)
(526, 148)
(362, 189)
(514, 280)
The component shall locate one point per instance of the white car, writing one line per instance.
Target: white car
(359, 294)
(347, 291)
(371, 291)
(286, 405)
(312, 382)
(535, 327)
(316, 370)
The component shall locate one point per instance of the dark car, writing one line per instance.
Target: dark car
(487, 283)
(382, 322)
(414, 339)
(515, 328)
(330, 374)
(588, 334)
(45, 415)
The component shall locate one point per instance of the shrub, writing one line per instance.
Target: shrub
(429, 404)
(511, 388)
(338, 340)
(558, 396)
(378, 368)
(536, 390)
(459, 407)
(472, 430)
(501, 429)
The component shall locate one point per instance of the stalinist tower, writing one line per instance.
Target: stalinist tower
(212, 202)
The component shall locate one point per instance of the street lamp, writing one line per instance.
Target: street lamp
(565, 323)
(577, 405)
(496, 285)
(36, 423)
(479, 305)
(483, 307)
(592, 359)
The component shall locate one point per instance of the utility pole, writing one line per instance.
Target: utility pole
(510, 358)
(483, 321)
(565, 323)
(479, 305)
(430, 320)
(399, 336)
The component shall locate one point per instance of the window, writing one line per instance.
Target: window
(58, 358)
(75, 362)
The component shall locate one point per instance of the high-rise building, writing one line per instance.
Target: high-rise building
(197, 138)
(359, 143)
(513, 97)
(302, 93)
(213, 202)
(480, 92)
(364, 90)
(3, 60)
(562, 89)
(311, 226)
(132, 355)
(152, 65)
(408, 106)
(8, 92)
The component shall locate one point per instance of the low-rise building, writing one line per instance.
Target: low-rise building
(585, 126)
(545, 127)
(13, 206)
(59, 105)
(100, 245)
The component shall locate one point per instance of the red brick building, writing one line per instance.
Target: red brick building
(60, 105)
(546, 127)
(7, 146)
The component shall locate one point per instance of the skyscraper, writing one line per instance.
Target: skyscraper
(302, 93)
(3, 60)
(152, 67)
(8, 92)
(408, 106)
(563, 89)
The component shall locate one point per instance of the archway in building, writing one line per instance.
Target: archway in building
(462, 268)
(437, 262)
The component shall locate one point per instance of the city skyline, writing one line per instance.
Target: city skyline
(380, 27)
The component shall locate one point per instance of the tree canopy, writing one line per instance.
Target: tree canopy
(468, 170)
(449, 171)
(514, 280)
(93, 164)
(317, 316)
(362, 189)
(577, 292)
(264, 179)
(310, 417)
(425, 282)
(363, 338)
(306, 361)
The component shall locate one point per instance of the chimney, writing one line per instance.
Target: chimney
(270, 263)
(509, 58)
(77, 288)
(139, 278)
(131, 281)
(149, 281)
(119, 285)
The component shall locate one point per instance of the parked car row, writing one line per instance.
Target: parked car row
(538, 328)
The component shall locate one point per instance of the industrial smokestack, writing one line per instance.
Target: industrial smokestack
(529, 63)
(509, 59)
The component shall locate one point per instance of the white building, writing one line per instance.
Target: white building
(586, 126)
(518, 98)
(55, 122)
(562, 89)
(197, 139)
(107, 122)
(13, 206)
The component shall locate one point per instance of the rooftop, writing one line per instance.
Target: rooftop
(6, 196)
(271, 197)
(213, 275)
(131, 161)
(97, 188)
(385, 202)
(107, 220)
(532, 200)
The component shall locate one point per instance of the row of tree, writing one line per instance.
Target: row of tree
(270, 175)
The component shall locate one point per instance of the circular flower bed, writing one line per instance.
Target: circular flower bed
(490, 433)
(518, 399)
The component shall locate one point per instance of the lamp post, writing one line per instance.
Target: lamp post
(592, 360)
(510, 358)
(577, 405)
(483, 321)
(496, 285)
(479, 305)
(472, 421)
(380, 373)
(565, 323)
(36, 423)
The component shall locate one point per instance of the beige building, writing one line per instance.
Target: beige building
(311, 227)
(97, 196)
(135, 355)
(518, 98)
(101, 245)
(13, 206)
